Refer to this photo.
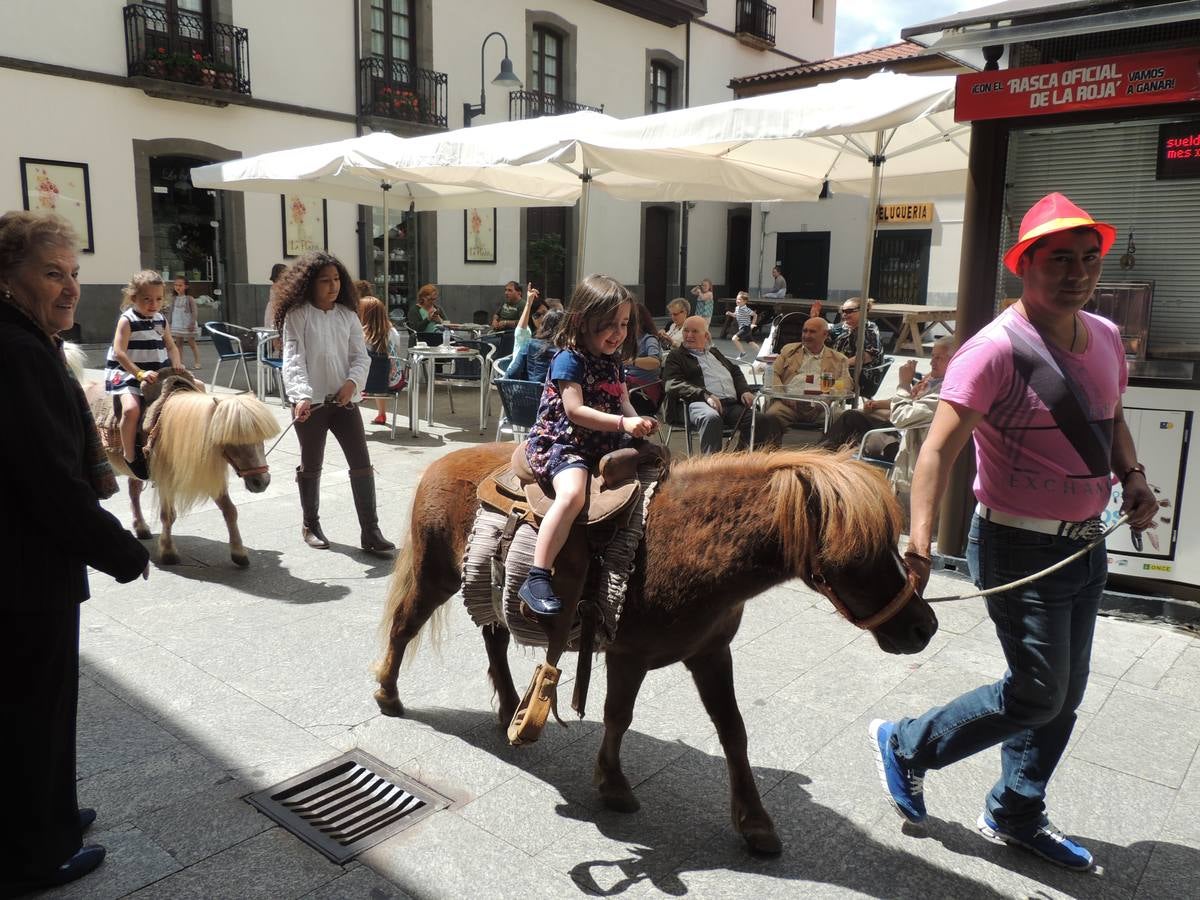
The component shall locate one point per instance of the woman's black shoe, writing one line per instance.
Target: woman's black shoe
(85, 860)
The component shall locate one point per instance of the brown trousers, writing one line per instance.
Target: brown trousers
(346, 424)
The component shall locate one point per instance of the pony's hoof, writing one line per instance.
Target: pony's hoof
(169, 559)
(389, 704)
(763, 841)
(615, 793)
(142, 534)
(241, 560)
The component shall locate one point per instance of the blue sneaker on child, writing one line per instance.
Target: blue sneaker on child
(905, 787)
(538, 593)
(1045, 840)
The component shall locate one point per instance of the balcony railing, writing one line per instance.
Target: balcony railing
(186, 48)
(755, 23)
(402, 92)
(532, 104)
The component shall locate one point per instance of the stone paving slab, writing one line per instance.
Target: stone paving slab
(208, 682)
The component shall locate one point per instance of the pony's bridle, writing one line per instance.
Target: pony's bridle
(816, 580)
(246, 473)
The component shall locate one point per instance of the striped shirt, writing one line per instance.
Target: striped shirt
(744, 315)
(147, 349)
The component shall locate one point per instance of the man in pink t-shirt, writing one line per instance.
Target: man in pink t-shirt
(1040, 389)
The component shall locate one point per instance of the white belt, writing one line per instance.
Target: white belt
(1087, 530)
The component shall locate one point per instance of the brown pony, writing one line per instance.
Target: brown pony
(720, 530)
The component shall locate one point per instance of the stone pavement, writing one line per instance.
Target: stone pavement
(207, 683)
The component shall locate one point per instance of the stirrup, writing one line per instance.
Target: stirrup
(540, 697)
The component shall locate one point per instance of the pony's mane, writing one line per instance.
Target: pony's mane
(241, 419)
(186, 468)
(852, 501)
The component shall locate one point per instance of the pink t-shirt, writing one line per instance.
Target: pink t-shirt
(1043, 448)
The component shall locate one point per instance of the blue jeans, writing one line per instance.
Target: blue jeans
(1045, 629)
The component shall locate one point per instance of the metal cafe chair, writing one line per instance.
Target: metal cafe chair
(230, 342)
(377, 382)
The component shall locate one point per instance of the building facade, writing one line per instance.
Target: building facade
(108, 116)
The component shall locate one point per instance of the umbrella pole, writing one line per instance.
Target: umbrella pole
(868, 257)
(387, 263)
(581, 244)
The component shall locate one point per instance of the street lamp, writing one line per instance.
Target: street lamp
(507, 78)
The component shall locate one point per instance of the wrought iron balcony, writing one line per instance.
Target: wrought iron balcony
(402, 92)
(187, 49)
(533, 104)
(755, 23)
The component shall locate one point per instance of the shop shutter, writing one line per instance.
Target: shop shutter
(1109, 171)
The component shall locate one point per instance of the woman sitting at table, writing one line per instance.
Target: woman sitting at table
(509, 312)
(645, 368)
(424, 318)
(532, 361)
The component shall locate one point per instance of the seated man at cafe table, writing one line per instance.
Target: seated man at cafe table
(509, 312)
(712, 391)
(807, 360)
(843, 337)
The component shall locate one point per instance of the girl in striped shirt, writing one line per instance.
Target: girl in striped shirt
(141, 347)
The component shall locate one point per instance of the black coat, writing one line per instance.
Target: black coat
(684, 379)
(51, 523)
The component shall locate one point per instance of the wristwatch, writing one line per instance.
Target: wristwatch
(1136, 467)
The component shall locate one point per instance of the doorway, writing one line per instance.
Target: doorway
(187, 232)
(656, 242)
(900, 266)
(737, 251)
(546, 250)
(804, 260)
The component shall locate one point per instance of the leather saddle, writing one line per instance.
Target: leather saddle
(612, 489)
(108, 419)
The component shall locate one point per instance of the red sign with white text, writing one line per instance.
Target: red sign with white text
(1167, 77)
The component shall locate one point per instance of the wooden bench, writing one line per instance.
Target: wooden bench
(914, 322)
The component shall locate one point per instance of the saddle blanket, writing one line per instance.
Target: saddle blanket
(490, 590)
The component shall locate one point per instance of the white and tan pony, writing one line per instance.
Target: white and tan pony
(197, 439)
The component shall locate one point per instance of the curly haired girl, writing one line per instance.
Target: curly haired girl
(325, 365)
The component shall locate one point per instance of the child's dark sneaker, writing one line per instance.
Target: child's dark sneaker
(538, 593)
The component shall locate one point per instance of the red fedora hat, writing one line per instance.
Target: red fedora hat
(1051, 214)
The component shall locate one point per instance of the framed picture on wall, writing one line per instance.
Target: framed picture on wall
(479, 235)
(305, 226)
(50, 185)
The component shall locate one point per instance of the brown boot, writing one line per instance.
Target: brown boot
(310, 502)
(362, 485)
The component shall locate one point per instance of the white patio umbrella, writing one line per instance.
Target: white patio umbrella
(350, 170)
(841, 133)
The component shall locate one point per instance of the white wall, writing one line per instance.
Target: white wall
(92, 123)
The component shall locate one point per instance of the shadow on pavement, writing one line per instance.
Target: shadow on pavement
(683, 826)
(207, 561)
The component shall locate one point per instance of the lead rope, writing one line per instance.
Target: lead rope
(1029, 579)
(283, 433)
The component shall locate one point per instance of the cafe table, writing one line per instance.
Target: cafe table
(798, 391)
(424, 358)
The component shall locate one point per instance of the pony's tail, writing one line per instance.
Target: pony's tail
(402, 592)
(76, 359)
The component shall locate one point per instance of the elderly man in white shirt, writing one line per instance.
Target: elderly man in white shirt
(712, 390)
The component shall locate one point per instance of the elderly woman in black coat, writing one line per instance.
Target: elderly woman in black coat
(51, 529)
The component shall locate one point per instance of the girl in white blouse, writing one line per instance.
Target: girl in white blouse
(325, 364)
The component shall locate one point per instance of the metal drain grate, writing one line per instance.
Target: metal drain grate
(348, 804)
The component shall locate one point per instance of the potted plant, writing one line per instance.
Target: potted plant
(155, 64)
(184, 67)
(226, 79)
(384, 99)
(406, 104)
(208, 74)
